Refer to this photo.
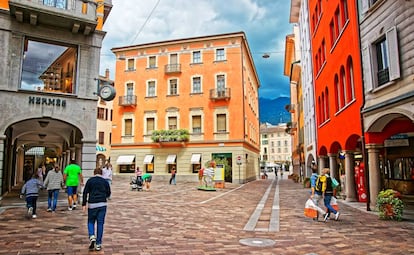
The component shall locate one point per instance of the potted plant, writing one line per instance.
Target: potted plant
(389, 205)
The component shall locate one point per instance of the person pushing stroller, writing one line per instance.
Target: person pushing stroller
(137, 182)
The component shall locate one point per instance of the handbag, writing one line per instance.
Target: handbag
(310, 209)
(334, 203)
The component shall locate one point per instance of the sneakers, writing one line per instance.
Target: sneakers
(326, 216)
(98, 247)
(337, 215)
(34, 216)
(70, 208)
(49, 209)
(30, 212)
(74, 206)
(92, 243)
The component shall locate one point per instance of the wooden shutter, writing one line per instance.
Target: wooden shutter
(367, 69)
(393, 55)
(221, 122)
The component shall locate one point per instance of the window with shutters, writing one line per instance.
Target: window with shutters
(150, 125)
(196, 121)
(128, 127)
(172, 123)
(381, 61)
(221, 123)
(131, 64)
(152, 62)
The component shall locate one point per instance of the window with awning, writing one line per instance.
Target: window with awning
(125, 160)
(171, 159)
(195, 158)
(148, 159)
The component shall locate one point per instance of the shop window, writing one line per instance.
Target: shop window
(49, 67)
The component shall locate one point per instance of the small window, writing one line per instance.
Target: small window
(196, 57)
(151, 89)
(152, 62)
(131, 64)
(101, 113)
(101, 138)
(196, 121)
(173, 87)
(128, 127)
(150, 125)
(196, 84)
(220, 56)
(172, 123)
(221, 123)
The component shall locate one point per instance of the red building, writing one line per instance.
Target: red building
(338, 87)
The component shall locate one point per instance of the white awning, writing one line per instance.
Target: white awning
(36, 151)
(171, 159)
(148, 159)
(195, 158)
(125, 160)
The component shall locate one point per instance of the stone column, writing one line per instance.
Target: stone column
(2, 170)
(374, 172)
(350, 190)
(321, 164)
(333, 166)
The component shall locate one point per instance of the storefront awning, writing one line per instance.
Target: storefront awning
(195, 158)
(148, 159)
(125, 159)
(171, 159)
(100, 148)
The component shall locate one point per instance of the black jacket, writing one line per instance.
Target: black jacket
(96, 190)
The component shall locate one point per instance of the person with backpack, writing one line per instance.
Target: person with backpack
(324, 184)
(316, 195)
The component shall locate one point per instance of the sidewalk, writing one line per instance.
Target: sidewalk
(179, 219)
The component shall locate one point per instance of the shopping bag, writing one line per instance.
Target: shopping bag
(334, 204)
(335, 183)
(310, 209)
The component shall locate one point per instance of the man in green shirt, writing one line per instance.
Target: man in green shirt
(72, 175)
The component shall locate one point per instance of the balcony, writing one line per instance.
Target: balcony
(220, 94)
(78, 16)
(129, 100)
(172, 68)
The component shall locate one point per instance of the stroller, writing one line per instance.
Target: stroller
(137, 183)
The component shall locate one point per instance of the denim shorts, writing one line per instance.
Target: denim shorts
(72, 190)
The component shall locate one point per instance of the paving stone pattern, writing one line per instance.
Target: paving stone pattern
(179, 219)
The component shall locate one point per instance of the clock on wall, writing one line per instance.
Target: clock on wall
(107, 92)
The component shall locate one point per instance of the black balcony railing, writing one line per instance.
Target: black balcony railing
(127, 100)
(173, 68)
(218, 94)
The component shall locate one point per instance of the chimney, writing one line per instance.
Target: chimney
(107, 73)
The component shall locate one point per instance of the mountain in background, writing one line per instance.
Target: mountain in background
(273, 110)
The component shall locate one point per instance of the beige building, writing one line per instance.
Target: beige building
(275, 144)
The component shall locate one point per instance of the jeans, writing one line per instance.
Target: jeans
(172, 180)
(52, 197)
(327, 202)
(31, 202)
(96, 215)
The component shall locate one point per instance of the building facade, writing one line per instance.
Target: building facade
(299, 14)
(276, 145)
(388, 112)
(182, 103)
(48, 95)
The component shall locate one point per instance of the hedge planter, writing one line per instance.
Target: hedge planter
(389, 205)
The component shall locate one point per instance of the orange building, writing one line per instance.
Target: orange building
(182, 103)
(338, 87)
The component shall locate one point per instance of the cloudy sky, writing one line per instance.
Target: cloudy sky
(265, 22)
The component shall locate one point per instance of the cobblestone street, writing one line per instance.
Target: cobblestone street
(260, 217)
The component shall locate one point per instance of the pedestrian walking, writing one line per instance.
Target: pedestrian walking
(328, 191)
(147, 178)
(95, 195)
(173, 173)
(53, 184)
(72, 176)
(31, 191)
(316, 196)
(107, 173)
